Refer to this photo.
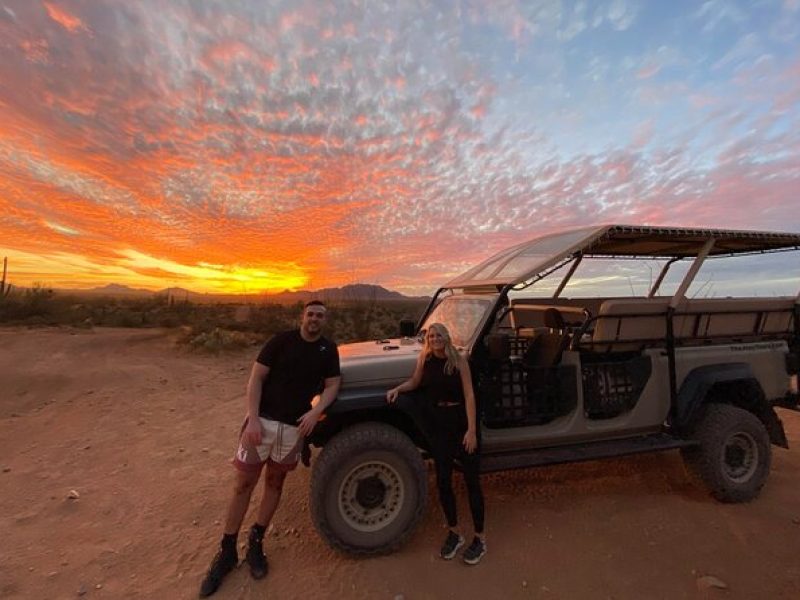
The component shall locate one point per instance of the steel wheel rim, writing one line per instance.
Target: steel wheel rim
(362, 504)
(740, 457)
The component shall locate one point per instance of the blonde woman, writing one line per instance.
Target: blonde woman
(442, 374)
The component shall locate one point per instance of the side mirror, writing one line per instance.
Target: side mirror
(407, 328)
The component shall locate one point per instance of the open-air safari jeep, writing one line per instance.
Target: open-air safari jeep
(562, 379)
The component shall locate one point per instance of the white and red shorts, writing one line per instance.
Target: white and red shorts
(280, 446)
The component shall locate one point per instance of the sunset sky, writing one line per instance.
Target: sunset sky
(249, 146)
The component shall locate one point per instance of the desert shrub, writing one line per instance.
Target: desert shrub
(169, 321)
(126, 317)
(38, 300)
(268, 319)
(33, 306)
(210, 323)
(217, 340)
(356, 321)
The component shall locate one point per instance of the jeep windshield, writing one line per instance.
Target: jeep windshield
(519, 262)
(462, 315)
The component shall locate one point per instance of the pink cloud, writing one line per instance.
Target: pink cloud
(37, 50)
(643, 134)
(701, 100)
(648, 70)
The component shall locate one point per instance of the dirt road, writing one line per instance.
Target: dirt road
(142, 432)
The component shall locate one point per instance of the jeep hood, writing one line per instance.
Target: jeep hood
(382, 364)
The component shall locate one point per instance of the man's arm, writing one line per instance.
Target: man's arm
(252, 431)
(308, 420)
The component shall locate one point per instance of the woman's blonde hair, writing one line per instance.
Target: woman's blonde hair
(450, 351)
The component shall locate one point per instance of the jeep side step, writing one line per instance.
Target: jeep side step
(580, 452)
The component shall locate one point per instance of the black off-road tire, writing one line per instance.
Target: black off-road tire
(369, 489)
(733, 456)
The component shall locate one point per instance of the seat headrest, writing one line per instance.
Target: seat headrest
(554, 319)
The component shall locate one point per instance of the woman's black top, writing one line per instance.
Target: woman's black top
(437, 385)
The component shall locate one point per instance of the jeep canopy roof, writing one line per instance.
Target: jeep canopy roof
(525, 261)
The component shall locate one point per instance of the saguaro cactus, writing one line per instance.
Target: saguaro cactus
(5, 289)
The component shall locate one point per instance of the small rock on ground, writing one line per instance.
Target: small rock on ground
(709, 581)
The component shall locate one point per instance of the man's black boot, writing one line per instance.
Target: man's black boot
(255, 558)
(223, 563)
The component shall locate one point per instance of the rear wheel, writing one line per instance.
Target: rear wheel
(369, 489)
(733, 455)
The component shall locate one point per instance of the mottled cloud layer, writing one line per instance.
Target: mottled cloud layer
(249, 146)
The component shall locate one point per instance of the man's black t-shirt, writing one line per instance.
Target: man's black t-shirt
(297, 370)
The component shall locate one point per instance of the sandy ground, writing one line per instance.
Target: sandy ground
(143, 432)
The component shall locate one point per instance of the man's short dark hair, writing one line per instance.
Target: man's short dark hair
(314, 303)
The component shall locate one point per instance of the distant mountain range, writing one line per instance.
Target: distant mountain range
(347, 293)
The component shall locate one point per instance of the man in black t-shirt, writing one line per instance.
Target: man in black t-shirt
(292, 368)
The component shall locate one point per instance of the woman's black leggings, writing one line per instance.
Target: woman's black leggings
(449, 426)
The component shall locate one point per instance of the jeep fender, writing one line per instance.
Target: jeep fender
(695, 389)
(371, 405)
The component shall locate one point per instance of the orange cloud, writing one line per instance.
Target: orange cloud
(229, 148)
(68, 21)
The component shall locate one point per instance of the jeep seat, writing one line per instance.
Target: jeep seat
(546, 348)
(635, 323)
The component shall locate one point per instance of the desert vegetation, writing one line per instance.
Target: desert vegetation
(5, 288)
(203, 326)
